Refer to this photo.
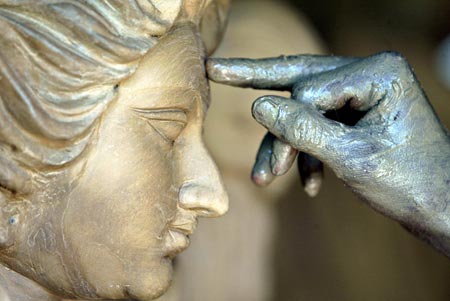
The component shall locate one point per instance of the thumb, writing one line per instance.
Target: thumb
(302, 126)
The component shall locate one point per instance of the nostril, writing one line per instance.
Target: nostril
(189, 193)
(204, 201)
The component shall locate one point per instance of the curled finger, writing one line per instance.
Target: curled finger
(283, 156)
(311, 173)
(262, 171)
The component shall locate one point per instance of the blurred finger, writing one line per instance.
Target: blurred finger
(283, 156)
(262, 171)
(276, 73)
(311, 173)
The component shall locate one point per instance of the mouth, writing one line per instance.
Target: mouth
(185, 225)
(178, 234)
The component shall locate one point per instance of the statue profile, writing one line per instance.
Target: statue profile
(103, 171)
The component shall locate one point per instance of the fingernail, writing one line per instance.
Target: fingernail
(280, 166)
(262, 177)
(265, 111)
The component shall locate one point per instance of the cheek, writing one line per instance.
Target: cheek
(124, 201)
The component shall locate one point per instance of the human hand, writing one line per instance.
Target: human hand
(396, 156)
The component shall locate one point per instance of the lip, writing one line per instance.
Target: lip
(178, 234)
(186, 228)
(184, 223)
(176, 243)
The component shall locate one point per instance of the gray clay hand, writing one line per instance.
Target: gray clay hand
(396, 157)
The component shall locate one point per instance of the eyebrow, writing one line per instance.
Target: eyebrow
(168, 98)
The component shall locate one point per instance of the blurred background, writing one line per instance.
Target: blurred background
(276, 243)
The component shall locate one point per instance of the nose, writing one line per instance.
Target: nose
(202, 190)
(206, 202)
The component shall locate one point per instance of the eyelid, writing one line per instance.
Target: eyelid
(160, 118)
(162, 114)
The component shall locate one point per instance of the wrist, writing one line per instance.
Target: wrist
(430, 218)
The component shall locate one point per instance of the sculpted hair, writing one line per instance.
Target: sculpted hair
(60, 66)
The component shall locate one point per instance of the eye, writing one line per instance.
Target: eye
(166, 122)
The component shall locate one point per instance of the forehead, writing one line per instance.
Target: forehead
(172, 73)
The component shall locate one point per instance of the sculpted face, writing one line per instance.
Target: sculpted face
(109, 224)
(148, 178)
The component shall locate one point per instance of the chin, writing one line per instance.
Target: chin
(138, 275)
(150, 285)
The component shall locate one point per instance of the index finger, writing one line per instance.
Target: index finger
(275, 73)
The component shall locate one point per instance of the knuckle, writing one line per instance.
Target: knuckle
(393, 55)
(306, 133)
(396, 75)
(393, 59)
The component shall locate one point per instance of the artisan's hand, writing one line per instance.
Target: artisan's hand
(396, 157)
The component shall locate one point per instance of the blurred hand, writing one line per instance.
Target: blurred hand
(395, 155)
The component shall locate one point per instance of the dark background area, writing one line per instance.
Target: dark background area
(428, 19)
